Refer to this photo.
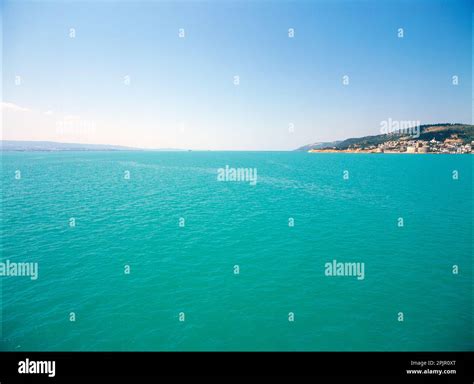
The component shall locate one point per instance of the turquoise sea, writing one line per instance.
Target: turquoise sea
(190, 269)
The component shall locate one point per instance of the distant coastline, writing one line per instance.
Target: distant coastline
(386, 152)
(442, 138)
(53, 146)
(434, 138)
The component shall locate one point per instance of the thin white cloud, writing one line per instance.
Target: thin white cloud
(13, 107)
(48, 113)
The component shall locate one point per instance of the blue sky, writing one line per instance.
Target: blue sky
(182, 94)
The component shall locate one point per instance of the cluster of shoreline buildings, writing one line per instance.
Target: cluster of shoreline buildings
(451, 146)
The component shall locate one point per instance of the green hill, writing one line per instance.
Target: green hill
(439, 132)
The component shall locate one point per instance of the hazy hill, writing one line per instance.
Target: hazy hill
(320, 145)
(13, 145)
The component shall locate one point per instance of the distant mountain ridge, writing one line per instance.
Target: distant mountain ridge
(427, 132)
(18, 145)
(320, 145)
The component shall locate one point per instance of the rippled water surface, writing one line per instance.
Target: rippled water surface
(190, 269)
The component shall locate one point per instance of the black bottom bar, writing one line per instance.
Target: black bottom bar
(420, 366)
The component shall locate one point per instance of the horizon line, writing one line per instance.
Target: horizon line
(120, 147)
